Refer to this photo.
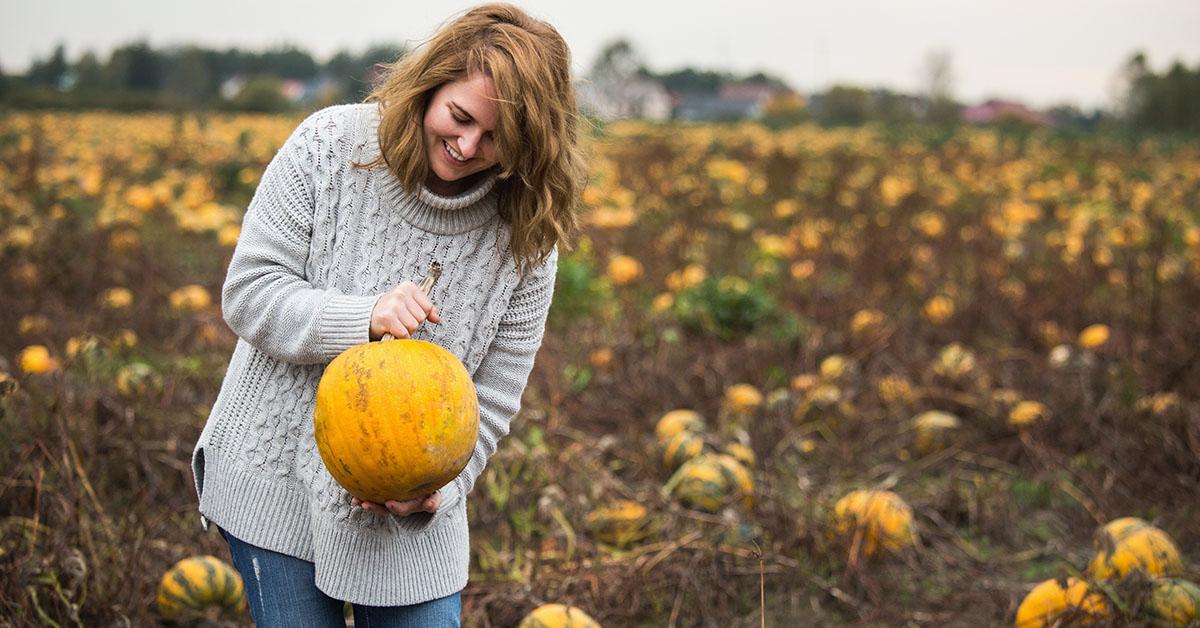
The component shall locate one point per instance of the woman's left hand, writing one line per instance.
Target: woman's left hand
(428, 503)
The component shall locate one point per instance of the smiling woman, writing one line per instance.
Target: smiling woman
(474, 167)
(458, 133)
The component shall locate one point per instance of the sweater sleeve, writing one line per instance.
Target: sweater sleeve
(267, 299)
(502, 374)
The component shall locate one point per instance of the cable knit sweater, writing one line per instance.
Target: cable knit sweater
(320, 243)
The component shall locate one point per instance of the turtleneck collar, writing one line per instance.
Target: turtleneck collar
(439, 214)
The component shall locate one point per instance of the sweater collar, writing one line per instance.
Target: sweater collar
(439, 214)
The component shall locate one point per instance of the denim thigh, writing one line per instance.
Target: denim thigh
(444, 612)
(281, 589)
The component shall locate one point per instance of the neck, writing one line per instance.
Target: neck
(456, 187)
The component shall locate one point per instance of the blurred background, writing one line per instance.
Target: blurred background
(881, 313)
(1047, 63)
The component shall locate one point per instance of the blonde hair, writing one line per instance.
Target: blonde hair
(541, 170)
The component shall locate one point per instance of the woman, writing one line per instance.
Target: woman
(465, 155)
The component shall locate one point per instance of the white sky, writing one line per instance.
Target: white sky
(1044, 52)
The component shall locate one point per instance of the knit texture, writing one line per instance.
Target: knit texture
(320, 243)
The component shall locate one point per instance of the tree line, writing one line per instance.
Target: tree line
(137, 76)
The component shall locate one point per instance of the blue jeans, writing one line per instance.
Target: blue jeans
(282, 591)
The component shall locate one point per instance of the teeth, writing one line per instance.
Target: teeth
(453, 153)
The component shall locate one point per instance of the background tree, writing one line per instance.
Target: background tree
(937, 75)
(1166, 102)
(135, 67)
(49, 73)
(189, 78)
(89, 74)
(617, 61)
(844, 104)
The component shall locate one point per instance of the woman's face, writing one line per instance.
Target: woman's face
(458, 129)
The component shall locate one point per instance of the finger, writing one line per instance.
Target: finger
(408, 320)
(402, 509)
(397, 327)
(431, 503)
(433, 315)
(422, 300)
(414, 309)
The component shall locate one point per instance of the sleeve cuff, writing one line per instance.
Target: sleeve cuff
(346, 322)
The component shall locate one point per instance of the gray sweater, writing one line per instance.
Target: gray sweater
(319, 244)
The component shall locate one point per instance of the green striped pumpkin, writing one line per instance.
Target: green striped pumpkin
(1173, 602)
(198, 583)
(677, 421)
(710, 482)
(682, 447)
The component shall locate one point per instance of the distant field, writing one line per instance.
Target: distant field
(809, 292)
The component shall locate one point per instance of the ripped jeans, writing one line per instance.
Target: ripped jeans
(282, 591)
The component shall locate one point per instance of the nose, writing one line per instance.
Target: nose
(468, 143)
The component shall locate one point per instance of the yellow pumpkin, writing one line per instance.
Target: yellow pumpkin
(742, 398)
(838, 368)
(710, 482)
(933, 429)
(36, 359)
(677, 421)
(1173, 602)
(740, 482)
(1050, 604)
(396, 419)
(882, 519)
(619, 524)
(1147, 549)
(1116, 530)
(558, 616)
(742, 453)
(195, 584)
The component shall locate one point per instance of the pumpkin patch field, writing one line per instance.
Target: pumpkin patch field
(798, 376)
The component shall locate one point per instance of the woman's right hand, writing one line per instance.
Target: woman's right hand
(401, 311)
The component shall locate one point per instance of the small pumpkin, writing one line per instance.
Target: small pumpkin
(954, 362)
(739, 480)
(1116, 530)
(682, 447)
(619, 524)
(838, 369)
(933, 430)
(741, 399)
(1052, 604)
(877, 519)
(742, 453)
(198, 583)
(1146, 549)
(1173, 602)
(558, 616)
(710, 482)
(677, 421)
(395, 419)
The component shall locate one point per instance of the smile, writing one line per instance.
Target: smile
(455, 155)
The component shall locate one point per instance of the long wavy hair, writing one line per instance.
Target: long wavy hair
(540, 164)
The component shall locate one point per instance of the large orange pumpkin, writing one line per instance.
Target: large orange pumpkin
(396, 419)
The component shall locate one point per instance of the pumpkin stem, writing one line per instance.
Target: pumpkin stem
(435, 272)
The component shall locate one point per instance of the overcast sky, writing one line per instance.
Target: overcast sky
(1044, 52)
